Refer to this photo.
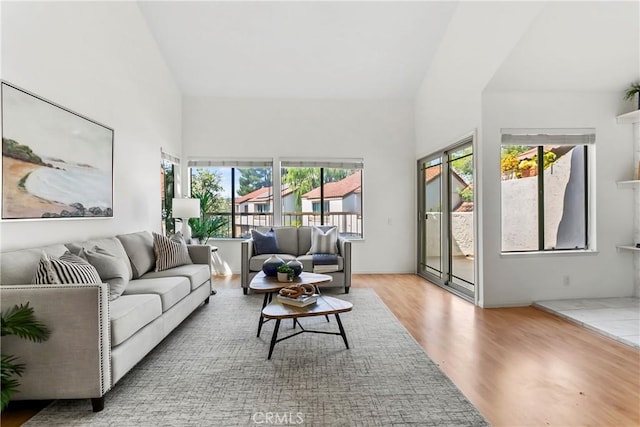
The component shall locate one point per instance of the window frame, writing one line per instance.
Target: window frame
(538, 138)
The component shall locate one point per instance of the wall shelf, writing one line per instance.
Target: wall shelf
(628, 184)
(632, 117)
(627, 248)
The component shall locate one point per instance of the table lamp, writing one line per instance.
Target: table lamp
(185, 209)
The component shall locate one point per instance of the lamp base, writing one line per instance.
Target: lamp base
(186, 230)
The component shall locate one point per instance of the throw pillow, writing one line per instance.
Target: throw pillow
(324, 240)
(170, 252)
(265, 243)
(112, 270)
(68, 269)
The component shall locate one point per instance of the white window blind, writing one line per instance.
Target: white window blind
(168, 157)
(548, 136)
(338, 164)
(231, 163)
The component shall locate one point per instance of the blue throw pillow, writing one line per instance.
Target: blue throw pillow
(265, 243)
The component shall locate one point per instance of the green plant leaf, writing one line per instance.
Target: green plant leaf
(21, 321)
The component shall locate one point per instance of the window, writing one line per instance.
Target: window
(545, 190)
(167, 191)
(323, 193)
(238, 192)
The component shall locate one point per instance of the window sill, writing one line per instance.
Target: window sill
(549, 253)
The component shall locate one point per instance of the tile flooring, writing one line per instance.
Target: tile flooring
(617, 318)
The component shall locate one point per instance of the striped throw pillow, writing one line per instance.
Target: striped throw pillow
(324, 240)
(68, 269)
(170, 252)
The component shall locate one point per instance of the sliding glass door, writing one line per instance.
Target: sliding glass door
(446, 242)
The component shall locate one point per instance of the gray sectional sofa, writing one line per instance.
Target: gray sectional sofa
(94, 342)
(294, 243)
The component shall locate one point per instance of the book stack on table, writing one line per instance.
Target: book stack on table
(301, 301)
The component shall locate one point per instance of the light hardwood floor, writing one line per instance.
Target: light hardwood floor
(518, 366)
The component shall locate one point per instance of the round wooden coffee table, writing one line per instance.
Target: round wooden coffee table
(324, 306)
(262, 284)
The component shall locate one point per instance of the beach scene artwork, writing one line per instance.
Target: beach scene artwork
(55, 164)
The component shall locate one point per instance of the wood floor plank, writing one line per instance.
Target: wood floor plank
(518, 366)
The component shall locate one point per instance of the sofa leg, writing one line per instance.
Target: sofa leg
(245, 291)
(97, 403)
(346, 289)
(206, 301)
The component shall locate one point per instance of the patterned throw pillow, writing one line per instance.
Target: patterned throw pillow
(324, 240)
(170, 252)
(265, 243)
(68, 269)
(112, 270)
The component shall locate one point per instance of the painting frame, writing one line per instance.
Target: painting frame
(56, 163)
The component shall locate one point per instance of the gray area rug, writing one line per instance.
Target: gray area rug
(213, 371)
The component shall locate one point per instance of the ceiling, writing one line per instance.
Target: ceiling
(575, 46)
(350, 50)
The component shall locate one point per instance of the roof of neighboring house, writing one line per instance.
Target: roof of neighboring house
(255, 194)
(344, 187)
(465, 207)
(263, 194)
(434, 172)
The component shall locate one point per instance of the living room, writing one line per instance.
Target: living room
(487, 66)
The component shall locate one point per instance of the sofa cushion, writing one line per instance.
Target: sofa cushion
(19, 267)
(170, 289)
(68, 269)
(130, 313)
(265, 243)
(255, 264)
(304, 240)
(287, 239)
(307, 262)
(324, 240)
(110, 244)
(139, 248)
(196, 273)
(170, 252)
(112, 269)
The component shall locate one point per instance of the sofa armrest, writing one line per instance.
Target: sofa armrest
(75, 362)
(200, 254)
(344, 245)
(246, 252)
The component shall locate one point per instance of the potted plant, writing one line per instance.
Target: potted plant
(19, 321)
(204, 227)
(633, 90)
(285, 273)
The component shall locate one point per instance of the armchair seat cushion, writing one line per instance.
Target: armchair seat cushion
(256, 261)
(170, 289)
(196, 273)
(129, 313)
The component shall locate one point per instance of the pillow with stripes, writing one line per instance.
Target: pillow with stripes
(324, 240)
(68, 269)
(170, 252)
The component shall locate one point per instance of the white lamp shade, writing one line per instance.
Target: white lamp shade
(186, 208)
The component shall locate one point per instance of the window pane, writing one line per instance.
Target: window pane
(214, 185)
(343, 200)
(166, 196)
(519, 187)
(300, 188)
(254, 199)
(564, 197)
(461, 220)
(433, 216)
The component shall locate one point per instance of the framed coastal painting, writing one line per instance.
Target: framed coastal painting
(55, 163)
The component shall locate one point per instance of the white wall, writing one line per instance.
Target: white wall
(100, 60)
(522, 279)
(478, 38)
(381, 132)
